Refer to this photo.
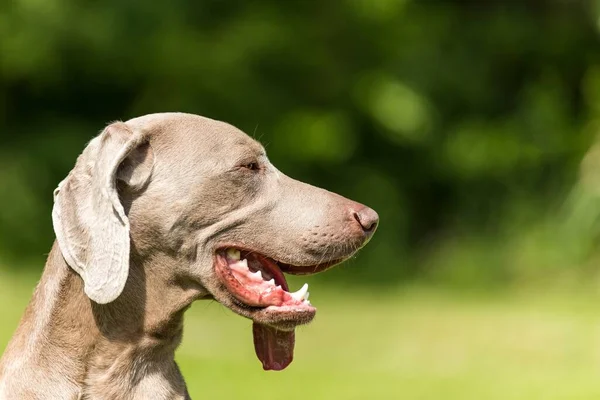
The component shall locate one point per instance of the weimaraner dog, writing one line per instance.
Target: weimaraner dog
(160, 211)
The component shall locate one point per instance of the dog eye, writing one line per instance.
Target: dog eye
(252, 166)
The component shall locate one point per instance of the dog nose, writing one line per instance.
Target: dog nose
(368, 220)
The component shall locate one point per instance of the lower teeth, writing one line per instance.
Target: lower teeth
(301, 294)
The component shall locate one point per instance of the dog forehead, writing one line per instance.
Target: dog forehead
(193, 135)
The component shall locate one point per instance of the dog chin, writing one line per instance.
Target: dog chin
(283, 318)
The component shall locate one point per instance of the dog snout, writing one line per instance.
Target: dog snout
(367, 218)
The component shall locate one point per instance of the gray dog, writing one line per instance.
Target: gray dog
(160, 211)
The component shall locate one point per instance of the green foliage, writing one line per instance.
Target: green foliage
(461, 123)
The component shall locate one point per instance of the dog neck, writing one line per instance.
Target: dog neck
(70, 346)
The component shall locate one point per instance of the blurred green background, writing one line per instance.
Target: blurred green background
(468, 125)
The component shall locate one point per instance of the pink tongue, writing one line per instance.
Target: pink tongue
(274, 348)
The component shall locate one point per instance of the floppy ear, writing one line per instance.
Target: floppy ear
(89, 220)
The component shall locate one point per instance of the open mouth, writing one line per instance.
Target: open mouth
(257, 285)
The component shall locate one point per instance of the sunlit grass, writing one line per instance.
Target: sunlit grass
(412, 344)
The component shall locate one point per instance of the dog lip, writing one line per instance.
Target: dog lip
(310, 269)
(243, 279)
(288, 267)
(285, 318)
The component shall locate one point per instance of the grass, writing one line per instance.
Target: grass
(416, 343)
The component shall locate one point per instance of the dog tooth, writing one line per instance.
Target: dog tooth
(278, 287)
(243, 263)
(233, 254)
(306, 296)
(271, 282)
(258, 274)
(301, 293)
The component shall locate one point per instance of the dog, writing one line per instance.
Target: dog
(158, 212)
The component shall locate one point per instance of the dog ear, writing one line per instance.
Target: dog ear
(90, 223)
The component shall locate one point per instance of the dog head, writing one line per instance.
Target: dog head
(203, 195)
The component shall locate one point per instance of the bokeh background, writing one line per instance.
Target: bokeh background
(468, 125)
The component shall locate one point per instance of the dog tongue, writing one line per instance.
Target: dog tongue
(274, 348)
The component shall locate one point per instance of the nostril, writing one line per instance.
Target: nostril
(371, 227)
(368, 219)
